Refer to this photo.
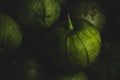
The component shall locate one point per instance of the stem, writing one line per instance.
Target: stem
(70, 23)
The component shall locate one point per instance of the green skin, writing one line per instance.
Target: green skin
(26, 67)
(90, 11)
(77, 46)
(27, 72)
(38, 13)
(76, 76)
(10, 35)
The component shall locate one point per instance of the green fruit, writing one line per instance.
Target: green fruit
(75, 45)
(10, 35)
(38, 13)
(75, 76)
(90, 11)
(108, 65)
(26, 67)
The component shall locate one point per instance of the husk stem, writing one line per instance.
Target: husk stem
(70, 25)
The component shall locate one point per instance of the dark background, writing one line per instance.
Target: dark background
(110, 34)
